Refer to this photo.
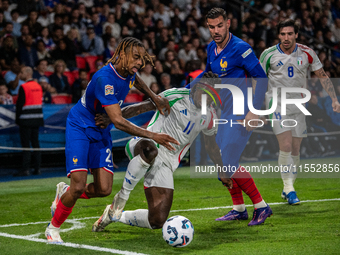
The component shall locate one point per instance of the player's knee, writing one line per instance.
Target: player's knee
(104, 191)
(149, 151)
(157, 221)
(77, 191)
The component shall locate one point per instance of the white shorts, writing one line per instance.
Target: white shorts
(296, 123)
(159, 174)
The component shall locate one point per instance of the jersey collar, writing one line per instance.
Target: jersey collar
(279, 49)
(114, 69)
(230, 35)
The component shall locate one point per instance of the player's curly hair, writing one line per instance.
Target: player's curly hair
(126, 46)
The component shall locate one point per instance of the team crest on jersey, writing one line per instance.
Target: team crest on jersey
(299, 60)
(246, 53)
(223, 65)
(203, 119)
(109, 90)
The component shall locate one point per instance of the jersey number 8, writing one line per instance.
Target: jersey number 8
(290, 71)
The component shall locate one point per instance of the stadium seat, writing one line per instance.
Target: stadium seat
(91, 61)
(61, 99)
(15, 98)
(70, 77)
(81, 62)
(133, 98)
(48, 73)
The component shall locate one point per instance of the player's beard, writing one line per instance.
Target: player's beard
(222, 38)
(287, 46)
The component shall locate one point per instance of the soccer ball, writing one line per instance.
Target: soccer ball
(178, 231)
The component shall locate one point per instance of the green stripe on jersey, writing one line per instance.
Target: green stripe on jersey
(127, 147)
(172, 102)
(157, 115)
(176, 91)
(268, 64)
(267, 52)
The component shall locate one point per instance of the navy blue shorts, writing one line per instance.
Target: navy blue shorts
(87, 148)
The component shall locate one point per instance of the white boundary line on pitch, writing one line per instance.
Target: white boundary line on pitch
(78, 225)
(172, 211)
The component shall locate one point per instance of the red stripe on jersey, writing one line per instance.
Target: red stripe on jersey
(211, 123)
(310, 58)
(179, 156)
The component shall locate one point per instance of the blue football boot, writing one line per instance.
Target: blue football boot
(291, 198)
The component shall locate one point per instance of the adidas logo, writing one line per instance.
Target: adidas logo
(280, 64)
(184, 112)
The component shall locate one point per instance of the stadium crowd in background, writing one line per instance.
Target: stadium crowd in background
(76, 35)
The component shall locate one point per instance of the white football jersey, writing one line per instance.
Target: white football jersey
(184, 123)
(288, 71)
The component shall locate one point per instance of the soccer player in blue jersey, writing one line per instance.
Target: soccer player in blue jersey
(88, 147)
(234, 60)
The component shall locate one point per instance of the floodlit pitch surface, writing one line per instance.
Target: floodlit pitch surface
(310, 228)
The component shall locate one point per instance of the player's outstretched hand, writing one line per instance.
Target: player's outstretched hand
(162, 103)
(336, 106)
(165, 140)
(253, 123)
(102, 120)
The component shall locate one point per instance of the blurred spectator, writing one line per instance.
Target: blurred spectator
(106, 35)
(169, 57)
(28, 54)
(158, 70)
(110, 49)
(40, 70)
(176, 74)
(165, 81)
(92, 44)
(2, 20)
(115, 27)
(12, 77)
(169, 46)
(32, 23)
(5, 98)
(24, 32)
(58, 80)
(146, 75)
(7, 52)
(204, 31)
(192, 29)
(99, 64)
(63, 52)
(42, 52)
(44, 83)
(235, 28)
(155, 89)
(336, 30)
(143, 27)
(26, 6)
(44, 18)
(272, 9)
(163, 15)
(16, 24)
(97, 25)
(314, 85)
(73, 40)
(79, 86)
(45, 37)
(186, 54)
(6, 10)
(202, 55)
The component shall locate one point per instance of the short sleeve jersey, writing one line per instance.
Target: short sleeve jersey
(107, 87)
(288, 70)
(234, 63)
(184, 123)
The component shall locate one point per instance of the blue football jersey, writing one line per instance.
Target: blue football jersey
(233, 65)
(107, 87)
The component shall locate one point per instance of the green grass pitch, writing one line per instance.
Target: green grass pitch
(309, 228)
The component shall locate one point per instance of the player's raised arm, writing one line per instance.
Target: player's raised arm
(115, 114)
(161, 103)
(328, 86)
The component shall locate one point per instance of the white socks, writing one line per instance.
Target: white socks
(288, 171)
(135, 171)
(239, 208)
(261, 204)
(138, 218)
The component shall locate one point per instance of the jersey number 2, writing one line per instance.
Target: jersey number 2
(290, 71)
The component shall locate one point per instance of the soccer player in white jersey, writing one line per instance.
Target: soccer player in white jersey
(157, 165)
(286, 65)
